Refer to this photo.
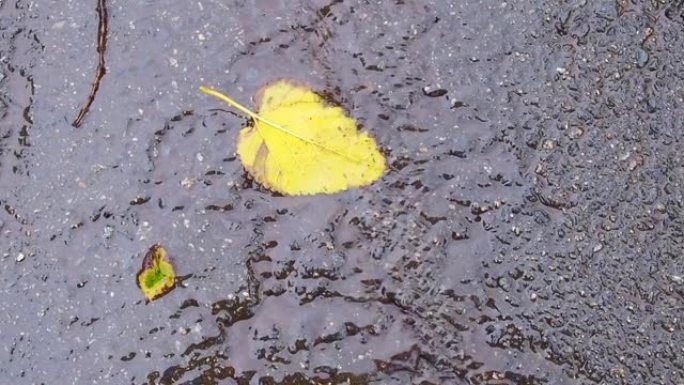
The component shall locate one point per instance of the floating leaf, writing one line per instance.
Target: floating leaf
(157, 275)
(298, 144)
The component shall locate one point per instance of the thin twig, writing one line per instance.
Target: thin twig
(101, 70)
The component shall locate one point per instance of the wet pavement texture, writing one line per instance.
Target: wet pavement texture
(529, 230)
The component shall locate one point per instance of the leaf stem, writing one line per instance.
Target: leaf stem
(255, 116)
(230, 101)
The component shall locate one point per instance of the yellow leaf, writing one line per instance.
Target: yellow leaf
(298, 144)
(157, 275)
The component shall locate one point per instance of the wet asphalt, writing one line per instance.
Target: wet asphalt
(529, 230)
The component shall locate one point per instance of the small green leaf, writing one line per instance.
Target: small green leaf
(157, 276)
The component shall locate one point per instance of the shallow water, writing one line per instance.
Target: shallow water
(529, 230)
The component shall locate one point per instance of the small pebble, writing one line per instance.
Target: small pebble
(642, 57)
(187, 183)
(550, 144)
(21, 257)
(575, 132)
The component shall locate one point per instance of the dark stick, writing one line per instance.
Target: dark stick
(101, 46)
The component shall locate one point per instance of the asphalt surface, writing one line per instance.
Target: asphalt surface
(529, 230)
